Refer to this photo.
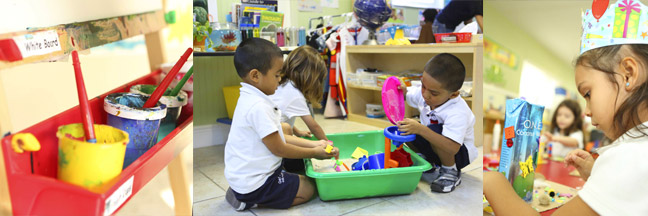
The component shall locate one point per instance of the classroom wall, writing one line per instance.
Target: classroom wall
(500, 30)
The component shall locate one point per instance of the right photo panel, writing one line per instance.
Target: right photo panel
(565, 107)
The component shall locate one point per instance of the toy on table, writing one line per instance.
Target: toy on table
(544, 199)
(394, 105)
(551, 192)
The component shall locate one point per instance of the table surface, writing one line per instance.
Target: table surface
(554, 171)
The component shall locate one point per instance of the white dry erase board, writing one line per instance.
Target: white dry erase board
(44, 13)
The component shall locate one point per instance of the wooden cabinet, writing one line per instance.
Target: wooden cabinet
(410, 57)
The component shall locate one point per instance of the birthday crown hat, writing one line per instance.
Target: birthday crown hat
(623, 22)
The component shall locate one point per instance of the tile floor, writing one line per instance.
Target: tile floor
(210, 185)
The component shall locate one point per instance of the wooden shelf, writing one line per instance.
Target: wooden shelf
(374, 88)
(378, 122)
(87, 35)
(493, 116)
(415, 48)
(396, 59)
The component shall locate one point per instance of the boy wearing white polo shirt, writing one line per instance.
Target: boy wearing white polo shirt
(256, 145)
(445, 135)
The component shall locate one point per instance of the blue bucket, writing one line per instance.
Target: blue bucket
(142, 124)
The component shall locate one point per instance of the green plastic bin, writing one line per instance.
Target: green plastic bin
(366, 183)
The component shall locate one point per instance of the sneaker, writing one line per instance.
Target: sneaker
(447, 181)
(231, 199)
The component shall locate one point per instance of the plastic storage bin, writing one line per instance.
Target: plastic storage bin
(453, 37)
(366, 183)
(31, 177)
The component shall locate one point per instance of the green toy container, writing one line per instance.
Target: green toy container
(366, 183)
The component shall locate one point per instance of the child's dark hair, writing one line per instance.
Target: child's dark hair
(429, 15)
(255, 53)
(606, 59)
(448, 70)
(576, 125)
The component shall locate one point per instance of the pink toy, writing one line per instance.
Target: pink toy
(393, 100)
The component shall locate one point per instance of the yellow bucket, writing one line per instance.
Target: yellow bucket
(90, 165)
(231, 94)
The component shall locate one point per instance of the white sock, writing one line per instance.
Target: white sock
(454, 167)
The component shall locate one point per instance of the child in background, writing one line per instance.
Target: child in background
(445, 135)
(256, 144)
(566, 129)
(301, 83)
(612, 75)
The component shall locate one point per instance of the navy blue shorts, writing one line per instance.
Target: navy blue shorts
(279, 191)
(425, 148)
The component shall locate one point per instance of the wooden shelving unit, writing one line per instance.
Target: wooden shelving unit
(411, 57)
(38, 192)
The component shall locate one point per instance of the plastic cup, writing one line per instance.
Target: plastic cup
(90, 165)
(377, 161)
(173, 103)
(125, 112)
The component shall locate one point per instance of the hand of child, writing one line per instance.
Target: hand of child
(322, 143)
(301, 133)
(410, 126)
(582, 161)
(321, 152)
(403, 87)
(549, 136)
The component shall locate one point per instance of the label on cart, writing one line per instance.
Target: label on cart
(39, 43)
(119, 197)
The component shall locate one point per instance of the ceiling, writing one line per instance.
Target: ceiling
(554, 24)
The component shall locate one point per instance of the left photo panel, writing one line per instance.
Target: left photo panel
(96, 107)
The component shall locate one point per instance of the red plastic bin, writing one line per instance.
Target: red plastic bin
(453, 37)
(36, 191)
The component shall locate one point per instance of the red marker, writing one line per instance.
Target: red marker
(157, 94)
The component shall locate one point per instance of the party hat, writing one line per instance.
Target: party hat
(624, 22)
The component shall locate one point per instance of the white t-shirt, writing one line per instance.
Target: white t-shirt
(291, 102)
(560, 150)
(455, 115)
(248, 162)
(617, 183)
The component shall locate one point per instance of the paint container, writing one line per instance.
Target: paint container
(173, 103)
(187, 87)
(142, 124)
(90, 165)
